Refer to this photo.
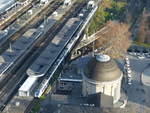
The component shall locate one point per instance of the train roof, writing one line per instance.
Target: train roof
(28, 84)
(42, 64)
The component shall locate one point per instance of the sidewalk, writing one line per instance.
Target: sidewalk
(145, 78)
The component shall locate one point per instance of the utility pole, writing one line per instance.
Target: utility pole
(10, 47)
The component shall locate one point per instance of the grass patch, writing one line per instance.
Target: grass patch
(42, 97)
(36, 108)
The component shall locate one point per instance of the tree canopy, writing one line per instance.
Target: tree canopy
(115, 41)
(108, 10)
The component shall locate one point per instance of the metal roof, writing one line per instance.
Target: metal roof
(102, 71)
(51, 52)
(17, 49)
(28, 84)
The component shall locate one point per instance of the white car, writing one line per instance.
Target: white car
(129, 70)
(134, 53)
(140, 57)
(129, 75)
(127, 65)
(138, 54)
(129, 81)
(127, 62)
(127, 58)
(131, 53)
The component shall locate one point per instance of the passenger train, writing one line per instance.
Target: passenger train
(53, 52)
(61, 39)
(21, 47)
(41, 88)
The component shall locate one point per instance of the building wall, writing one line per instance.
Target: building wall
(64, 86)
(111, 88)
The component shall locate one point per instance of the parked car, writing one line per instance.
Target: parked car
(140, 57)
(129, 81)
(148, 56)
(129, 75)
(127, 61)
(129, 71)
(127, 65)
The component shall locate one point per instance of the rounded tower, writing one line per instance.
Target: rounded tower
(102, 74)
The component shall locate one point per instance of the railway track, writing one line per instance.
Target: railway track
(75, 10)
(15, 78)
(5, 23)
(6, 78)
(24, 26)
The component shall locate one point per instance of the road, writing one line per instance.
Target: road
(138, 94)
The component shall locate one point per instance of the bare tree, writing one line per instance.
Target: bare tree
(142, 31)
(144, 28)
(115, 41)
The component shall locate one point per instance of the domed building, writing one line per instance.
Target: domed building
(102, 75)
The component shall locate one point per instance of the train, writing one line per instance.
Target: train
(52, 52)
(41, 88)
(21, 47)
(55, 60)
(9, 58)
(45, 26)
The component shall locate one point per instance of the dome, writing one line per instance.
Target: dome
(102, 68)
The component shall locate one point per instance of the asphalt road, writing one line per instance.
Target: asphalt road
(138, 94)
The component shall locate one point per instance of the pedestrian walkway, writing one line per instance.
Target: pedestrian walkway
(146, 77)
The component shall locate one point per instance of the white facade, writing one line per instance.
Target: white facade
(102, 75)
(28, 85)
(111, 88)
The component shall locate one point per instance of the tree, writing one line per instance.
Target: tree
(115, 41)
(144, 28)
(108, 10)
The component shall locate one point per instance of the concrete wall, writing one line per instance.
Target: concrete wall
(111, 88)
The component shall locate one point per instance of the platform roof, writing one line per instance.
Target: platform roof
(16, 50)
(49, 55)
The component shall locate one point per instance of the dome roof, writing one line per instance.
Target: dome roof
(102, 68)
